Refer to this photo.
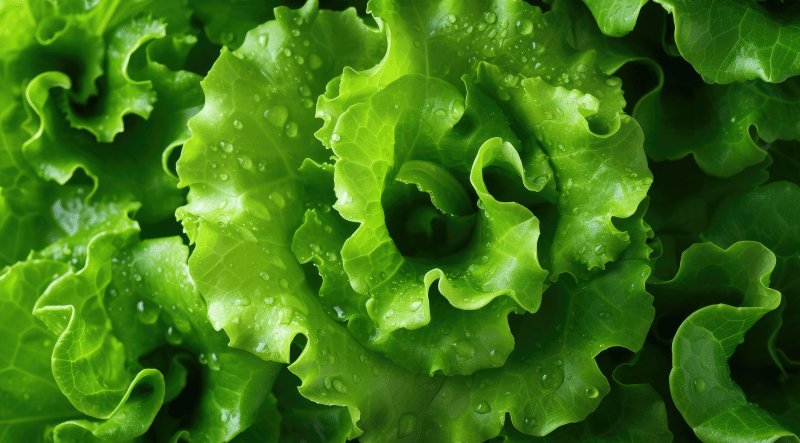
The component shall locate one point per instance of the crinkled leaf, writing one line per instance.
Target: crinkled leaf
(453, 40)
(241, 164)
(454, 342)
(632, 412)
(123, 95)
(586, 165)
(31, 398)
(725, 128)
(700, 382)
(154, 305)
(88, 361)
(371, 143)
(730, 40)
(616, 18)
(135, 165)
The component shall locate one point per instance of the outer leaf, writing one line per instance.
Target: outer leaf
(709, 36)
(227, 21)
(724, 40)
(154, 305)
(717, 129)
(96, 384)
(124, 95)
(616, 18)
(57, 150)
(700, 380)
(31, 398)
(630, 413)
(241, 167)
(723, 127)
(768, 215)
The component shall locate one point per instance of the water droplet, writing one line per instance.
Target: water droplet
(237, 124)
(339, 386)
(364, 358)
(482, 407)
(291, 129)
(390, 313)
(524, 27)
(464, 348)
(327, 382)
(613, 81)
(490, 17)
(223, 176)
(441, 113)
(415, 305)
(284, 283)
(699, 386)
(445, 331)
(591, 392)
(245, 301)
(245, 162)
(202, 359)
(451, 18)
(336, 137)
(406, 424)
(263, 39)
(278, 199)
(147, 312)
(173, 336)
(314, 62)
(277, 115)
(213, 363)
(137, 277)
(356, 378)
(269, 300)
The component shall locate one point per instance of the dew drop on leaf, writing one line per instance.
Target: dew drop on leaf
(482, 407)
(277, 115)
(464, 349)
(699, 386)
(339, 386)
(406, 424)
(524, 27)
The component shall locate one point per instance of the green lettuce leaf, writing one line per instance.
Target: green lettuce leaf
(252, 180)
(726, 128)
(700, 382)
(136, 165)
(159, 315)
(631, 412)
(724, 40)
(31, 398)
(244, 195)
(615, 18)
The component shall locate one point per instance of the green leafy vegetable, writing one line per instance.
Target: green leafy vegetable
(399, 221)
